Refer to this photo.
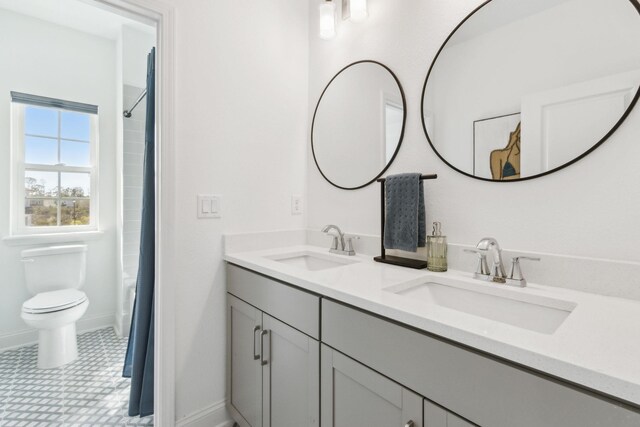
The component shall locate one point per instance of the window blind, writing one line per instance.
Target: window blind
(43, 101)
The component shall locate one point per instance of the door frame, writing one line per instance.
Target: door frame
(162, 15)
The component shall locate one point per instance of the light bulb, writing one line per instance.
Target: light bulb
(327, 20)
(358, 10)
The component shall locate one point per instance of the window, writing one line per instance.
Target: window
(55, 162)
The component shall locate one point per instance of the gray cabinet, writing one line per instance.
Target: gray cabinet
(244, 372)
(290, 377)
(436, 416)
(355, 396)
(273, 370)
(293, 306)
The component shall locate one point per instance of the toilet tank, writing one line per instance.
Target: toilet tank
(54, 267)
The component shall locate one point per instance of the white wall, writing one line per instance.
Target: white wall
(589, 209)
(136, 45)
(242, 132)
(45, 59)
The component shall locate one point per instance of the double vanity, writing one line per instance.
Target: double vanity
(319, 339)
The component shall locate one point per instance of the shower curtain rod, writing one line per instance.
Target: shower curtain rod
(127, 113)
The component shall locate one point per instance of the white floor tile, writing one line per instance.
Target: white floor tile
(88, 392)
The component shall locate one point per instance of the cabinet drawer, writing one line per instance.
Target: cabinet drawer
(482, 389)
(290, 305)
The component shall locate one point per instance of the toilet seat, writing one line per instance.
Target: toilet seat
(48, 302)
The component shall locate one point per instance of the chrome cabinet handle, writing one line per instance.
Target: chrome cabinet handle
(410, 423)
(256, 356)
(263, 361)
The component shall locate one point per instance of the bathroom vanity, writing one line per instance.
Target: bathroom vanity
(327, 340)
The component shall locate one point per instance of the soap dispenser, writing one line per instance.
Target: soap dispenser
(437, 249)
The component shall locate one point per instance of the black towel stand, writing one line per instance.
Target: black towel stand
(396, 260)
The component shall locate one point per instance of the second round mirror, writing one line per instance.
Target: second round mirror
(524, 88)
(358, 125)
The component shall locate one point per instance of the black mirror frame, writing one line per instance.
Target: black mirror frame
(580, 157)
(400, 139)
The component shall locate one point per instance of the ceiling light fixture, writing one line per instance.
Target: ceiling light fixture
(357, 10)
(327, 11)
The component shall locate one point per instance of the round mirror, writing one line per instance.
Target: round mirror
(523, 88)
(358, 125)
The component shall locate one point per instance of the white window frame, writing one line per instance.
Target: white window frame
(18, 227)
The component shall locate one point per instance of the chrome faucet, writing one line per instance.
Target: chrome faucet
(492, 248)
(489, 247)
(341, 244)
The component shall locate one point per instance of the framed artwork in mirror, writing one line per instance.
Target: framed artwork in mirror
(496, 147)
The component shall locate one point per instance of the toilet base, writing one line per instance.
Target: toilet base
(57, 346)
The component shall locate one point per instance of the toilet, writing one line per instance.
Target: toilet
(54, 276)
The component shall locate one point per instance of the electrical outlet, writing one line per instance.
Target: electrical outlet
(296, 205)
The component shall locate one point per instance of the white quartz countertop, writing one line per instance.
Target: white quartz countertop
(597, 346)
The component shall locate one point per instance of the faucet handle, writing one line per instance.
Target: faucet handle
(349, 244)
(483, 267)
(516, 270)
(334, 242)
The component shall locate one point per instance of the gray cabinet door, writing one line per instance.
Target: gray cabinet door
(455, 421)
(244, 382)
(356, 396)
(290, 376)
(437, 416)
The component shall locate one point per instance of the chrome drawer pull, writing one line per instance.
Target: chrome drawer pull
(255, 355)
(263, 361)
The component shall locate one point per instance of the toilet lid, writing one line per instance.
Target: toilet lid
(47, 302)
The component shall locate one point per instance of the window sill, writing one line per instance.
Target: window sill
(36, 239)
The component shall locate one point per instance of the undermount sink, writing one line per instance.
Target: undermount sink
(532, 312)
(312, 261)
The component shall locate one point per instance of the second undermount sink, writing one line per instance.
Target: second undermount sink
(312, 261)
(533, 312)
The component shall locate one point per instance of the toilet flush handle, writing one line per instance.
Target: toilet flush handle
(25, 260)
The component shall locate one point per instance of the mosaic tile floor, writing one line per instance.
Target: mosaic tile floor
(88, 392)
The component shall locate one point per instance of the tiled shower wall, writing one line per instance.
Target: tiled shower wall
(133, 159)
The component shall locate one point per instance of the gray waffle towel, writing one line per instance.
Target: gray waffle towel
(405, 224)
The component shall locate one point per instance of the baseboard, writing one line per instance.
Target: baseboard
(29, 336)
(215, 415)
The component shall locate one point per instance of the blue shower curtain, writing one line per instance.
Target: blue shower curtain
(138, 363)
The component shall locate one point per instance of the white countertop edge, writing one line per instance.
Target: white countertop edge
(603, 382)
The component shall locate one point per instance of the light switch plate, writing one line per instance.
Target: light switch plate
(296, 205)
(209, 206)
